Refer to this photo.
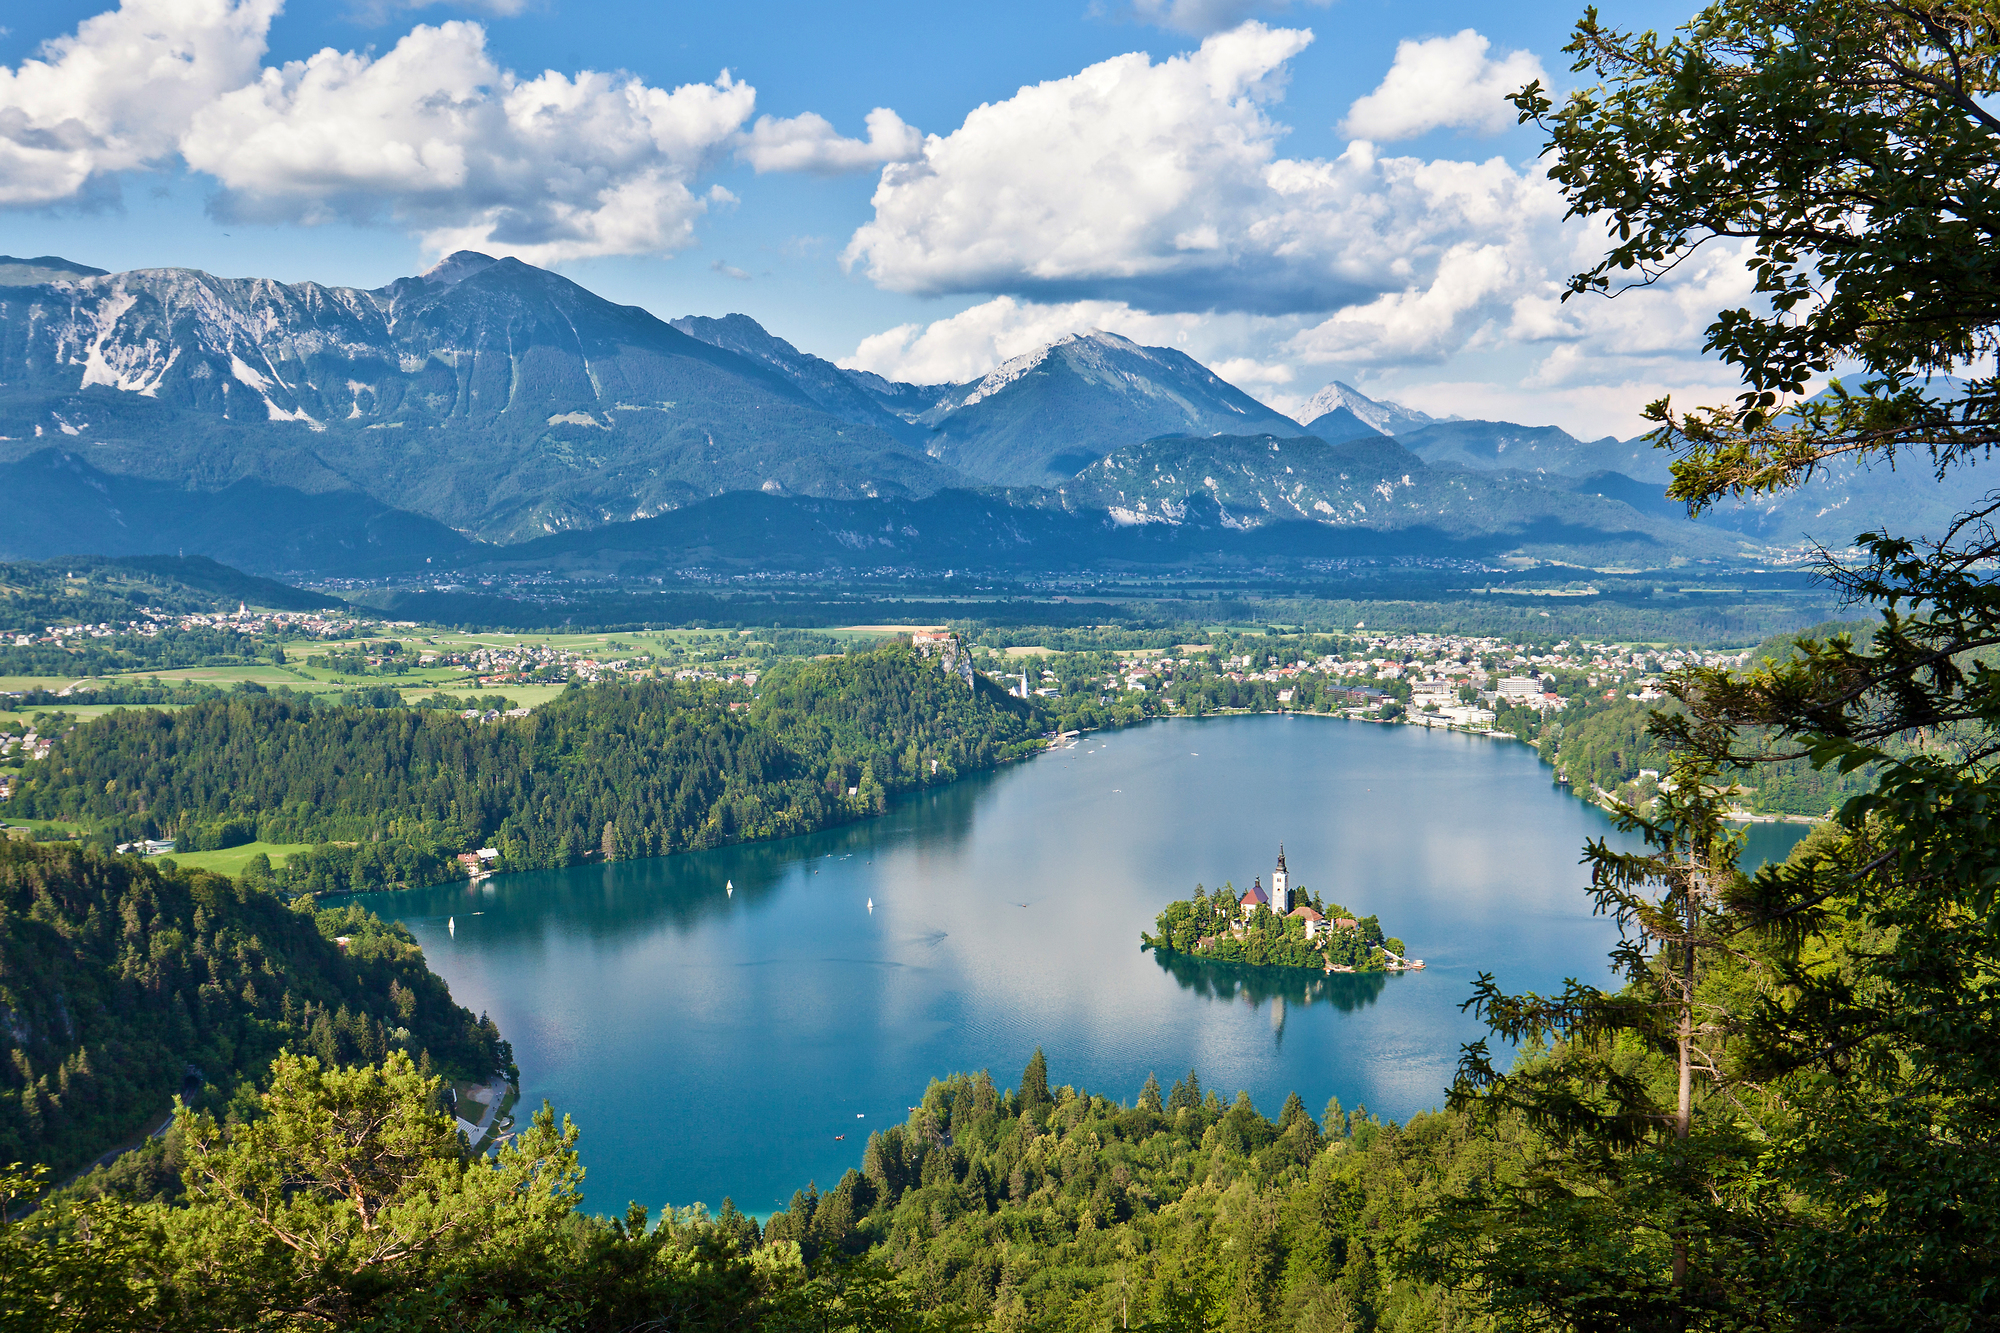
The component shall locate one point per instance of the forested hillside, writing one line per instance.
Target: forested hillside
(89, 589)
(1603, 745)
(1060, 1209)
(120, 982)
(629, 768)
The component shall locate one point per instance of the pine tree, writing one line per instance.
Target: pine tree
(1149, 1096)
(1035, 1081)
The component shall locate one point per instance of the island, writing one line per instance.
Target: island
(1283, 927)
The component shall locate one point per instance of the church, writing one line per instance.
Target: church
(1282, 898)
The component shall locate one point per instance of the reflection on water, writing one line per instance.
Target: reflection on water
(739, 1043)
(1216, 979)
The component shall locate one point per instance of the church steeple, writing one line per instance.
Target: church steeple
(1281, 885)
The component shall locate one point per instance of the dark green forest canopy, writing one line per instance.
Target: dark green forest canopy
(629, 768)
(124, 983)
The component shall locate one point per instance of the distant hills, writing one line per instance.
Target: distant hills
(488, 412)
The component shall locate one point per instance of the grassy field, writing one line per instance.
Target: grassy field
(25, 683)
(62, 826)
(524, 696)
(264, 673)
(231, 860)
(81, 712)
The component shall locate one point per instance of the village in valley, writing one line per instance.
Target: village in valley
(1284, 926)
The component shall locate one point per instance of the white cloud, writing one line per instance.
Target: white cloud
(1128, 181)
(1202, 17)
(435, 136)
(809, 143)
(116, 94)
(1159, 184)
(967, 345)
(1442, 83)
(381, 11)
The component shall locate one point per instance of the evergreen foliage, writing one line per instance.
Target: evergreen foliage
(1220, 927)
(124, 983)
(344, 1198)
(632, 768)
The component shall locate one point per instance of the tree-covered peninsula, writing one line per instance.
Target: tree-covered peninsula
(625, 769)
(1248, 929)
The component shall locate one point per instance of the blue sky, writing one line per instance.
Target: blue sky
(1294, 193)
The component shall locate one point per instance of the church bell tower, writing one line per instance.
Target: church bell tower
(1281, 885)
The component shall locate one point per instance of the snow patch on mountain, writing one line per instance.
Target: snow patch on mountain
(1388, 418)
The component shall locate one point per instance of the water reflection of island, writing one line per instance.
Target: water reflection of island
(1216, 980)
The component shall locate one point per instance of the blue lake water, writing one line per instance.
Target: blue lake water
(714, 1043)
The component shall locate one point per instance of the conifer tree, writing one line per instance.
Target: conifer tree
(1035, 1081)
(1149, 1096)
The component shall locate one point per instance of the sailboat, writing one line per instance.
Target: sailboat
(871, 907)
(729, 885)
(451, 926)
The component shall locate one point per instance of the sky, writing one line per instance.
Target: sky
(1294, 191)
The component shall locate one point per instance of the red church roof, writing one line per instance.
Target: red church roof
(1257, 897)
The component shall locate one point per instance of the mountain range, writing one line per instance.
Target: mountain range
(471, 414)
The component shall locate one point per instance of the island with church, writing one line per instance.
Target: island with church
(1284, 926)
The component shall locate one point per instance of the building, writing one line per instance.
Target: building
(1256, 898)
(1439, 692)
(1281, 885)
(1315, 923)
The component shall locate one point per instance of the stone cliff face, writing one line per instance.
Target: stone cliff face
(949, 651)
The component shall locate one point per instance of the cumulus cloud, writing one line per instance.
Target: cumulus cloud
(809, 143)
(1128, 181)
(117, 93)
(1159, 184)
(436, 136)
(967, 345)
(433, 135)
(1442, 83)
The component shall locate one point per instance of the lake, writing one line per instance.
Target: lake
(716, 1021)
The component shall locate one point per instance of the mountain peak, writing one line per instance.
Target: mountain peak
(43, 269)
(456, 267)
(1388, 418)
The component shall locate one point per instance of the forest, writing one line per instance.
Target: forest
(628, 768)
(1603, 745)
(124, 983)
